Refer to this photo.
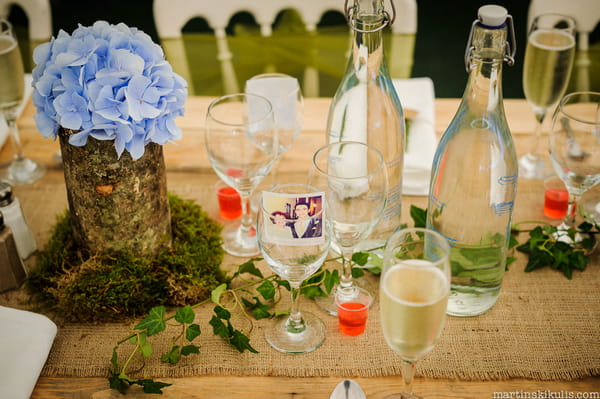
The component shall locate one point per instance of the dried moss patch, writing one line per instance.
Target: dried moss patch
(111, 287)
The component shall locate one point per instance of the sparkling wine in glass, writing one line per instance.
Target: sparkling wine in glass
(294, 240)
(575, 147)
(21, 170)
(242, 144)
(353, 176)
(548, 63)
(413, 295)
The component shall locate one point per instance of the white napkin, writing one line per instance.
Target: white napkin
(418, 94)
(27, 93)
(25, 341)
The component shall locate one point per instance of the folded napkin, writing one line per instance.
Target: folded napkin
(26, 95)
(418, 94)
(25, 341)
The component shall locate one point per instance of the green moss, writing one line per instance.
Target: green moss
(111, 287)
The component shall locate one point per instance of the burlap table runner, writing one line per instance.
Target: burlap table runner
(543, 327)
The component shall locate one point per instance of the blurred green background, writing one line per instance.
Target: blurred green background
(439, 45)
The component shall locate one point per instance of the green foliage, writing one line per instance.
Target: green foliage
(111, 287)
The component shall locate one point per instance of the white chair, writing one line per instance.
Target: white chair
(587, 15)
(171, 16)
(40, 19)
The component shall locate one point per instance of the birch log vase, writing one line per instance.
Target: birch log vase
(116, 203)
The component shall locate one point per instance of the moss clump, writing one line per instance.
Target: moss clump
(110, 287)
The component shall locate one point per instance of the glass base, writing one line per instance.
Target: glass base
(402, 396)
(238, 243)
(23, 171)
(327, 303)
(305, 341)
(533, 167)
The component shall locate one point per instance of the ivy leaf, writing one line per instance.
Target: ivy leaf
(172, 356)
(259, 309)
(146, 350)
(266, 289)
(331, 279)
(192, 331)
(219, 328)
(357, 272)
(215, 295)
(154, 322)
(189, 349)
(185, 315)
(241, 342)
(360, 258)
(418, 215)
(115, 382)
(248, 267)
(283, 283)
(151, 386)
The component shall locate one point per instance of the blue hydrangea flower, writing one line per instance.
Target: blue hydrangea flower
(110, 82)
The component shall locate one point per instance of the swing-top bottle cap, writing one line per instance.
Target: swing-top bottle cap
(492, 15)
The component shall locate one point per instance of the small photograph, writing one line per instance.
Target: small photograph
(293, 220)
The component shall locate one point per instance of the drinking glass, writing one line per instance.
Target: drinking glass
(413, 295)
(575, 146)
(294, 257)
(353, 176)
(241, 141)
(548, 61)
(21, 170)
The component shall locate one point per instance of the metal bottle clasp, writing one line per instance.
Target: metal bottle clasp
(510, 45)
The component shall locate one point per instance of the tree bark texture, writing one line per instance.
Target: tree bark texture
(116, 203)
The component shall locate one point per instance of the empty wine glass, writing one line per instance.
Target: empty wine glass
(413, 296)
(548, 62)
(287, 211)
(575, 146)
(353, 176)
(21, 170)
(241, 141)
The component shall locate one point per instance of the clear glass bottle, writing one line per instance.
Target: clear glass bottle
(14, 218)
(474, 174)
(12, 271)
(366, 107)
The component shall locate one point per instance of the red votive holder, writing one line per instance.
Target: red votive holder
(556, 198)
(353, 312)
(230, 204)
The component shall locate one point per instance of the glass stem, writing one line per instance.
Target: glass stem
(246, 216)
(14, 131)
(537, 134)
(295, 323)
(408, 374)
(346, 277)
(572, 209)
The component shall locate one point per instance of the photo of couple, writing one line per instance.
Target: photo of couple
(296, 219)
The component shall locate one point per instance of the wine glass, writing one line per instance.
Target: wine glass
(353, 176)
(575, 146)
(241, 141)
(21, 170)
(294, 257)
(413, 296)
(548, 61)
(283, 91)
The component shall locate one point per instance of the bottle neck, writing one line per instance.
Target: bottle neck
(367, 22)
(484, 87)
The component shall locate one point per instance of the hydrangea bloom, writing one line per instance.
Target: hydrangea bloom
(110, 82)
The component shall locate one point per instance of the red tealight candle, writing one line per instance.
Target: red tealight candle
(556, 201)
(230, 204)
(352, 317)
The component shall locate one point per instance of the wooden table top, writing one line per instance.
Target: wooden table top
(189, 155)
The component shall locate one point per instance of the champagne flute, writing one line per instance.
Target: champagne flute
(353, 176)
(241, 141)
(575, 147)
(294, 257)
(413, 295)
(548, 62)
(21, 170)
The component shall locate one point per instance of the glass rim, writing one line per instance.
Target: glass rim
(443, 240)
(229, 97)
(369, 147)
(564, 102)
(573, 23)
